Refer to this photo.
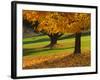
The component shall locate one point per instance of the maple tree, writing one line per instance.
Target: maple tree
(54, 24)
(80, 23)
(43, 22)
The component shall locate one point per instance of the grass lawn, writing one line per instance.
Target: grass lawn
(34, 53)
(34, 46)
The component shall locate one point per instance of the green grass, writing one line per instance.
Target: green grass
(34, 46)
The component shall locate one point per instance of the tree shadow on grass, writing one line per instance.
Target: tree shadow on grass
(27, 51)
(61, 38)
(45, 39)
(35, 41)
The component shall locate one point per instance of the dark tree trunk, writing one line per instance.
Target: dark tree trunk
(53, 40)
(77, 43)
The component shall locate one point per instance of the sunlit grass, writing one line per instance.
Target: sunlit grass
(34, 46)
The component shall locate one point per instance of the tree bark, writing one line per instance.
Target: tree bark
(53, 40)
(77, 43)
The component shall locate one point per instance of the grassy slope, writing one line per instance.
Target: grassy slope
(35, 56)
(34, 46)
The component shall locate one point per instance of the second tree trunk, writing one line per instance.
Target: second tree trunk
(77, 43)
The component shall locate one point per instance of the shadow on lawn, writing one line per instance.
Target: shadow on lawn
(48, 39)
(35, 41)
(37, 50)
(61, 38)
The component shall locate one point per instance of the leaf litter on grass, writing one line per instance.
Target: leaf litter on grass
(57, 60)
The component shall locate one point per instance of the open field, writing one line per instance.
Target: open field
(36, 56)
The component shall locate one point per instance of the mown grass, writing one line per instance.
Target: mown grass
(34, 46)
(36, 56)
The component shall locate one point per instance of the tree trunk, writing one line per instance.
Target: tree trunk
(77, 43)
(53, 41)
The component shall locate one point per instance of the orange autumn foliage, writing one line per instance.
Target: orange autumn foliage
(58, 22)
